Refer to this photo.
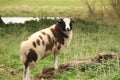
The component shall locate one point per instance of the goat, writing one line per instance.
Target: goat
(45, 42)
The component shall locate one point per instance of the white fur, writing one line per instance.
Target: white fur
(40, 50)
(28, 74)
(67, 23)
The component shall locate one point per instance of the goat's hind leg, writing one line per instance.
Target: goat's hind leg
(31, 60)
(26, 73)
(27, 70)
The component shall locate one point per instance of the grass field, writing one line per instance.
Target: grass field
(89, 39)
(70, 8)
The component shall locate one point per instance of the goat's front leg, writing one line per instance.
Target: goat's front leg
(55, 60)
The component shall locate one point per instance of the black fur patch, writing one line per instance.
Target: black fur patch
(59, 34)
(50, 43)
(43, 42)
(62, 24)
(32, 56)
(38, 41)
(40, 37)
(43, 33)
(59, 47)
(71, 25)
(34, 44)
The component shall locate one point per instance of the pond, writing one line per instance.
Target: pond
(8, 20)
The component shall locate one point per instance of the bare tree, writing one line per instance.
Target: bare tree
(116, 6)
(103, 4)
(91, 8)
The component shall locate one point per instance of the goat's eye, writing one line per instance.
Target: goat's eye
(71, 24)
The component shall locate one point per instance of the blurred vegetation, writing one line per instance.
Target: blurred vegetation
(100, 10)
(89, 39)
(104, 13)
(89, 36)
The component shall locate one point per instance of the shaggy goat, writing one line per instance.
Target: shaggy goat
(43, 43)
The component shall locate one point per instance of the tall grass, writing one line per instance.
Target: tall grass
(89, 38)
(70, 8)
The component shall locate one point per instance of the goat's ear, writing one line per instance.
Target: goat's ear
(72, 20)
(60, 20)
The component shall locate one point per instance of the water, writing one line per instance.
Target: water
(8, 20)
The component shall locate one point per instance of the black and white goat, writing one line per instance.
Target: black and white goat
(45, 42)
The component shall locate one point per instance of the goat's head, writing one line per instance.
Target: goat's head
(66, 24)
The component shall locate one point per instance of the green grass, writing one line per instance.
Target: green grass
(47, 2)
(89, 39)
(70, 8)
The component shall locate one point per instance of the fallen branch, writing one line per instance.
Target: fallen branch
(49, 72)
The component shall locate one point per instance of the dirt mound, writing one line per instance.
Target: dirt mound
(48, 72)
